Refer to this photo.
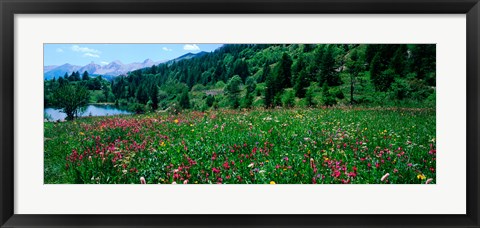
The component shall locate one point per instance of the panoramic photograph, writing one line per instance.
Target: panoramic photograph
(239, 113)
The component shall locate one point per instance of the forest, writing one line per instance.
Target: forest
(260, 75)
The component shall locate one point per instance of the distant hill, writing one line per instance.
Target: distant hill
(49, 68)
(60, 71)
(188, 56)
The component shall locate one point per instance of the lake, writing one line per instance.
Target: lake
(90, 110)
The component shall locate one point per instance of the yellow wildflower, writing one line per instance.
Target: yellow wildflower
(162, 143)
(81, 133)
(176, 121)
(421, 176)
(272, 182)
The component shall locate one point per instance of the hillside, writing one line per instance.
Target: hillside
(348, 74)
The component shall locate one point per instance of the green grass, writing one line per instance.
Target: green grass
(294, 146)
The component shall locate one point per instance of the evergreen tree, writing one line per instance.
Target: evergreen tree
(314, 67)
(219, 72)
(327, 97)
(372, 50)
(142, 94)
(398, 62)
(309, 96)
(61, 81)
(250, 84)
(153, 69)
(385, 80)
(85, 76)
(375, 70)
(284, 72)
(355, 66)
(76, 76)
(233, 89)
(184, 99)
(269, 91)
(265, 73)
(240, 68)
(300, 77)
(328, 67)
(154, 96)
(423, 60)
(300, 84)
(299, 65)
(248, 100)
(106, 93)
(71, 78)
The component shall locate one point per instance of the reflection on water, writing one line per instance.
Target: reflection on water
(91, 110)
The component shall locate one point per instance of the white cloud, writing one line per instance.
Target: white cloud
(59, 50)
(77, 48)
(104, 63)
(166, 49)
(91, 55)
(191, 47)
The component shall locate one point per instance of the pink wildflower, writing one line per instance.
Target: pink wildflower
(385, 177)
(429, 181)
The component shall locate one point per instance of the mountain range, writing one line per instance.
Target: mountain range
(114, 68)
(110, 70)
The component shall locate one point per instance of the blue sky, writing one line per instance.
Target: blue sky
(82, 54)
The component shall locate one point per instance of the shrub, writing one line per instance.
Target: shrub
(288, 99)
(328, 98)
(400, 89)
(337, 92)
(309, 101)
(136, 108)
(198, 87)
(209, 100)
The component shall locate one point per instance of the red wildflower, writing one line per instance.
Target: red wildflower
(226, 165)
(336, 174)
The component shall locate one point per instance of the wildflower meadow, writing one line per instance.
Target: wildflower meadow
(258, 146)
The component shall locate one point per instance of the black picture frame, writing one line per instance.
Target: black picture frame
(9, 8)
